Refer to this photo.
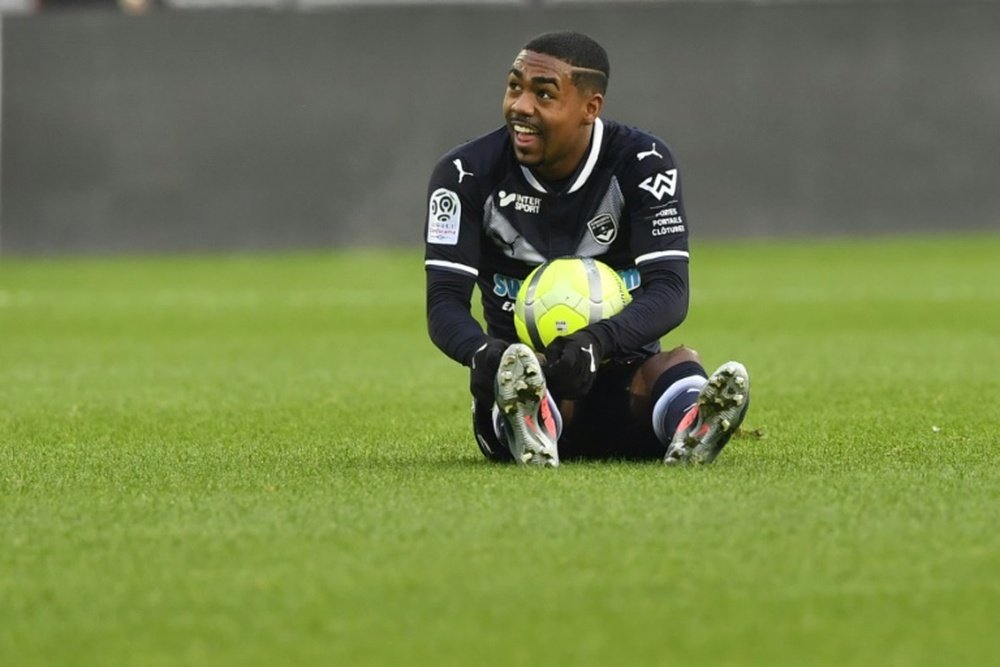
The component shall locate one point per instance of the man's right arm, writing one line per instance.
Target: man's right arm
(449, 317)
(451, 258)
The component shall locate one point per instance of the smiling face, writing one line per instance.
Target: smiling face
(548, 116)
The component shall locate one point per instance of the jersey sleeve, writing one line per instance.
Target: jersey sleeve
(451, 328)
(452, 227)
(652, 190)
(451, 259)
(660, 308)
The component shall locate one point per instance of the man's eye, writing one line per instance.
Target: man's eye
(544, 94)
(512, 85)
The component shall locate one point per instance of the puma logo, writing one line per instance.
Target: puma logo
(478, 350)
(462, 173)
(643, 155)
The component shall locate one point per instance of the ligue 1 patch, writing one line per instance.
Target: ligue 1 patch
(603, 229)
(444, 213)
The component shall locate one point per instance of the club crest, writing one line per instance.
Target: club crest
(603, 228)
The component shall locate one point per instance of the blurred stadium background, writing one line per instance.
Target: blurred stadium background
(223, 455)
(222, 125)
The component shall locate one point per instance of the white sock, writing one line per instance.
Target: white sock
(684, 390)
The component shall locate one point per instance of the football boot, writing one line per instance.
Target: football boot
(520, 394)
(709, 424)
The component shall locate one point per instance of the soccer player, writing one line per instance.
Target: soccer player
(557, 180)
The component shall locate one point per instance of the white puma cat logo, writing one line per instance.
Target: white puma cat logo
(462, 173)
(644, 154)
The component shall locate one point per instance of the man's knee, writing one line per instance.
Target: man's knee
(678, 355)
(651, 370)
(658, 364)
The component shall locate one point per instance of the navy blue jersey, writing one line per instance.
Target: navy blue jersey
(492, 220)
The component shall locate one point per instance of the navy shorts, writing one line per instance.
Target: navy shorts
(603, 426)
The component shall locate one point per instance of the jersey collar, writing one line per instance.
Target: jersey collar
(588, 165)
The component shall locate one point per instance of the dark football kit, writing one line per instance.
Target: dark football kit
(490, 221)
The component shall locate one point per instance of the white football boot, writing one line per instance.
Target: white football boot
(711, 422)
(520, 392)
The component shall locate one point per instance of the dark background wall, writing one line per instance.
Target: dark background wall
(253, 130)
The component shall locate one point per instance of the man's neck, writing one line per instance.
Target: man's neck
(565, 168)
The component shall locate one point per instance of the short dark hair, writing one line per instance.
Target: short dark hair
(578, 50)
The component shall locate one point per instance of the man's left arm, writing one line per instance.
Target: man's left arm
(651, 184)
(659, 241)
(660, 308)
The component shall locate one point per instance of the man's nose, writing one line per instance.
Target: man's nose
(522, 106)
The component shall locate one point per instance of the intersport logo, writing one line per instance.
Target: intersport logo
(521, 202)
(661, 184)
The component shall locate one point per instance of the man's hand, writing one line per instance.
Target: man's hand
(571, 364)
(485, 362)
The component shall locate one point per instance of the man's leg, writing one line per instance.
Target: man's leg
(664, 387)
(615, 419)
(524, 424)
(692, 414)
(708, 426)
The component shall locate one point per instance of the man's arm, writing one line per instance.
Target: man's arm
(660, 308)
(652, 192)
(451, 258)
(572, 361)
(449, 317)
(652, 188)
(458, 334)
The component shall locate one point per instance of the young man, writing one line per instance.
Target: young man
(556, 180)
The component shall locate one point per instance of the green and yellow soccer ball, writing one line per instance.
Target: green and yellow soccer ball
(564, 295)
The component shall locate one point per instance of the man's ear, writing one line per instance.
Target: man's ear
(592, 108)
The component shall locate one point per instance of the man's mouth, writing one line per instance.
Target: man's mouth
(524, 134)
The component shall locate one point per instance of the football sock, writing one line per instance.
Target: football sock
(673, 393)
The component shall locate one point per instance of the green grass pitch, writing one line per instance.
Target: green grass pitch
(263, 461)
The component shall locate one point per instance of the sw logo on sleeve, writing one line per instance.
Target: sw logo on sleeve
(661, 184)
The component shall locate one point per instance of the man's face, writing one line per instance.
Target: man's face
(548, 117)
